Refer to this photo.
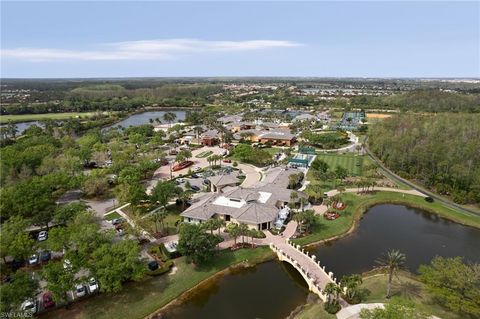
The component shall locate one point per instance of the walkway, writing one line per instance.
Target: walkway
(119, 211)
(353, 312)
(334, 192)
(307, 265)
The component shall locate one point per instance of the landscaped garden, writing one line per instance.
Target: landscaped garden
(204, 154)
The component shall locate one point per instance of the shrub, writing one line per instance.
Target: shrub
(332, 307)
(429, 199)
(235, 164)
(161, 270)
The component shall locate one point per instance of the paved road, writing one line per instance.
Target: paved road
(437, 197)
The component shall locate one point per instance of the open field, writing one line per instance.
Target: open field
(353, 163)
(139, 299)
(37, 117)
(359, 204)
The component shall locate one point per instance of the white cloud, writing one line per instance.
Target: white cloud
(144, 50)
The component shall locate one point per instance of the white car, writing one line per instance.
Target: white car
(180, 180)
(43, 235)
(29, 306)
(80, 290)
(197, 169)
(33, 260)
(67, 264)
(92, 285)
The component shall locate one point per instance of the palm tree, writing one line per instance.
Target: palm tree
(169, 117)
(293, 198)
(243, 229)
(351, 284)
(391, 262)
(332, 291)
(233, 231)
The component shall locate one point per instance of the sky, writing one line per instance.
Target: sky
(175, 39)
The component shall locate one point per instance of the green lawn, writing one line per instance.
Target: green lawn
(404, 286)
(36, 117)
(204, 154)
(357, 205)
(353, 163)
(408, 287)
(112, 215)
(272, 150)
(139, 299)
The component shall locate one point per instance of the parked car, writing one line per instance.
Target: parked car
(92, 285)
(80, 290)
(180, 180)
(197, 169)
(117, 221)
(45, 256)
(153, 265)
(29, 306)
(43, 235)
(33, 260)
(195, 175)
(227, 160)
(120, 231)
(195, 188)
(48, 301)
(206, 182)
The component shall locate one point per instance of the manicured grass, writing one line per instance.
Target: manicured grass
(139, 299)
(405, 285)
(358, 204)
(353, 163)
(112, 215)
(408, 287)
(314, 311)
(36, 117)
(204, 154)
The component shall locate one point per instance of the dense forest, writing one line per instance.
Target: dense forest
(440, 151)
(422, 101)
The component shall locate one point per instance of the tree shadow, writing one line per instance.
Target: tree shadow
(407, 289)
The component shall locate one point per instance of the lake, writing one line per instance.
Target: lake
(144, 118)
(417, 233)
(274, 289)
(22, 126)
(269, 291)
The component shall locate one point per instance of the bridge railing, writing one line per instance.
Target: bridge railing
(315, 261)
(310, 277)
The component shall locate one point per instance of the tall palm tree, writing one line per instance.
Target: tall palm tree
(233, 231)
(243, 229)
(169, 117)
(392, 262)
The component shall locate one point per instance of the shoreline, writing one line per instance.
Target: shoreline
(185, 294)
(360, 212)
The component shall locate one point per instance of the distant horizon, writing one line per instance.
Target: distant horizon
(248, 39)
(243, 77)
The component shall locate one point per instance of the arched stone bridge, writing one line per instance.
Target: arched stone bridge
(309, 267)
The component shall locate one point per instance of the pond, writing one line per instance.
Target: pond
(273, 289)
(22, 126)
(144, 118)
(417, 233)
(269, 290)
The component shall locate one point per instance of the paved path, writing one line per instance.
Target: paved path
(321, 209)
(353, 312)
(383, 189)
(131, 222)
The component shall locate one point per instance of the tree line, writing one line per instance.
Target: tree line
(440, 151)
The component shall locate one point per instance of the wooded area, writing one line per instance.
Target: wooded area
(440, 151)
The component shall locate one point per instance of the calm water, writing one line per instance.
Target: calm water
(22, 126)
(418, 234)
(269, 290)
(274, 289)
(144, 118)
